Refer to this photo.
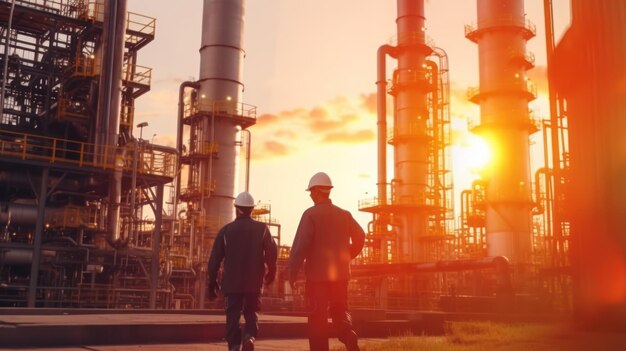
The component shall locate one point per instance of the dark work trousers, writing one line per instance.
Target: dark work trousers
(321, 298)
(249, 304)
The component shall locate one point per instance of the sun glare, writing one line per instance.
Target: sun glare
(473, 152)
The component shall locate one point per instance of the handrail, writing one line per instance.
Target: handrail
(139, 74)
(140, 23)
(151, 160)
(523, 23)
(231, 107)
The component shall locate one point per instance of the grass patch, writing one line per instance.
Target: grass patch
(480, 336)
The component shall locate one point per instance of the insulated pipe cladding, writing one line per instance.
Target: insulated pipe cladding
(501, 36)
(411, 142)
(220, 88)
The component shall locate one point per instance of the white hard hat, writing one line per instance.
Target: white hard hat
(320, 179)
(244, 199)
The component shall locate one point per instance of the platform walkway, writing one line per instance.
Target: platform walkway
(106, 330)
(260, 345)
(154, 330)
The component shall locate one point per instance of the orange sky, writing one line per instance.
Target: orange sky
(310, 68)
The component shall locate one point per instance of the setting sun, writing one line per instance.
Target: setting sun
(473, 153)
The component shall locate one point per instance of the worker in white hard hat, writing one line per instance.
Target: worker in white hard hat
(249, 254)
(327, 239)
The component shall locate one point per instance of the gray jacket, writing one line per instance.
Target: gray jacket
(246, 246)
(327, 239)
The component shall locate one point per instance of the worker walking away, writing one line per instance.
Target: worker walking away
(327, 239)
(249, 254)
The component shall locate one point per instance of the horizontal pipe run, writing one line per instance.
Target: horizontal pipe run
(499, 263)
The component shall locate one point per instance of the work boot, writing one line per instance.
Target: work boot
(351, 341)
(248, 344)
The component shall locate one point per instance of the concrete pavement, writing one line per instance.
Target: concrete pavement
(260, 345)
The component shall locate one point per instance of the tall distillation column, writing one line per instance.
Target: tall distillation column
(501, 35)
(410, 225)
(215, 121)
(411, 139)
(221, 58)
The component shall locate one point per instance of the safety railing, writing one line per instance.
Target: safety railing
(412, 38)
(204, 148)
(475, 122)
(529, 29)
(137, 74)
(398, 200)
(411, 130)
(139, 23)
(197, 190)
(73, 217)
(71, 109)
(126, 114)
(411, 76)
(53, 6)
(89, 10)
(151, 160)
(224, 106)
(519, 85)
(83, 66)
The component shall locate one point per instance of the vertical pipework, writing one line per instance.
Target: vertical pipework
(554, 123)
(221, 87)
(501, 36)
(411, 142)
(179, 143)
(248, 143)
(156, 247)
(6, 57)
(39, 228)
(381, 121)
(108, 118)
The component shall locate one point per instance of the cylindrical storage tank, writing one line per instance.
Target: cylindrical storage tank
(18, 214)
(505, 123)
(220, 91)
(411, 140)
(22, 256)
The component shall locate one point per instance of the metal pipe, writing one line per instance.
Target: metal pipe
(5, 69)
(248, 150)
(22, 256)
(554, 121)
(547, 174)
(381, 120)
(500, 265)
(18, 214)
(41, 209)
(179, 141)
(109, 107)
(156, 247)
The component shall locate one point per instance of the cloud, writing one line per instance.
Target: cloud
(369, 102)
(285, 133)
(270, 149)
(360, 136)
(328, 123)
(267, 119)
(339, 120)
